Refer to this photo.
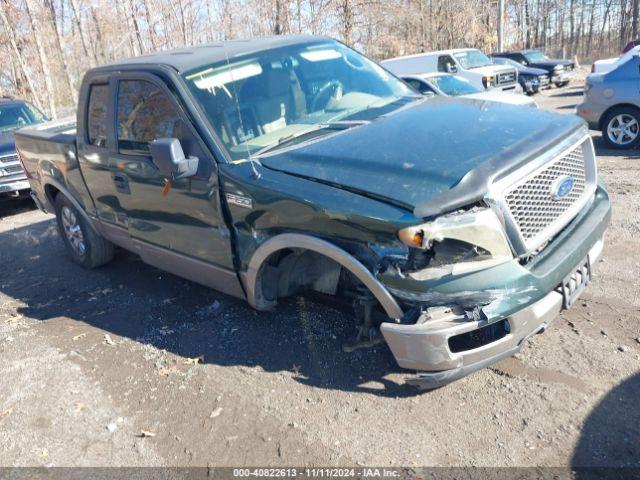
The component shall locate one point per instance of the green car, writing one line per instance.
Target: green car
(266, 168)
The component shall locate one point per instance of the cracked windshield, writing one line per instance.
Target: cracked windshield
(274, 99)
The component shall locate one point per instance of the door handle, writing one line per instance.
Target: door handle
(122, 183)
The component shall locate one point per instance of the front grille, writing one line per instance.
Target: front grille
(13, 169)
(534, 205)
(9, 159)
(506, 78)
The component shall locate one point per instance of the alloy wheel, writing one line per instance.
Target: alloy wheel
(623, 129)
(73, 231)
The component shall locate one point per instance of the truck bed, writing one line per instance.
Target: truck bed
(48, 153)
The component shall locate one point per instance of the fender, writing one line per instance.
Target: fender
(62, 189)
(250, 278)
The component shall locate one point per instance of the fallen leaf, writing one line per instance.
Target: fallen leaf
(79, 406)
(194, 360)
(79, 336)
(216, 412)
(146, 433)
(108, 340)
(6, 412)
(296, 369)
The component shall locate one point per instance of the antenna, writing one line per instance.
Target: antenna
(235, 96)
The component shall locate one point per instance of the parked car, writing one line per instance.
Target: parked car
(612, 104)
(630, 45)
(560, 71)
(608, 64)
(532, 80)
(14, 114)
(275, 166)
(454, 86)
(468, 63)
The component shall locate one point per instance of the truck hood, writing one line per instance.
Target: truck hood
(549, 64)
(532, 71)
(416, 156)
(7, 143)
(492, 69)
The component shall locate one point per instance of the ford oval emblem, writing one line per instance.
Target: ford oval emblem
(562, 187)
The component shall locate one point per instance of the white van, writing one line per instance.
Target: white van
(468, 63)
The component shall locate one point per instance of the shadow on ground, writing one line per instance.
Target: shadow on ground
(131, 299)
(610, 438)
(10, 206)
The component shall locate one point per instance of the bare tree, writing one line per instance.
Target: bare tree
(42, 55)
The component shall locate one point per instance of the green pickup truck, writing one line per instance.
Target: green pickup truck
(271, 167)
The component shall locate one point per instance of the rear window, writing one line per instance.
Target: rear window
(97, 115)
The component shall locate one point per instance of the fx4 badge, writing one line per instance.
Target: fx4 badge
(239, 200)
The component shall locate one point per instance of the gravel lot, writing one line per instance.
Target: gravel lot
(128, 365)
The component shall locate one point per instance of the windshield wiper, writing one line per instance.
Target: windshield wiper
(287, 139)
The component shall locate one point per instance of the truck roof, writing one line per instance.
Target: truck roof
(184, 59)
(429, 54)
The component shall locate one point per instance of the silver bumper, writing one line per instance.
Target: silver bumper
(14, 186)
(425, 346)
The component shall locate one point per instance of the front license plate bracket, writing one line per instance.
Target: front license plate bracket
(574, 283)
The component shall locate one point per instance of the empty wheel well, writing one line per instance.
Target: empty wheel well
(51, 192)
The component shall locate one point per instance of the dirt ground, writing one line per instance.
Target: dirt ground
(128, 365)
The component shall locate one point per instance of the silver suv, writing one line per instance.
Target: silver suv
(612, 104)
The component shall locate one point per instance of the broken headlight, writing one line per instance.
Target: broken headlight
(455, 244)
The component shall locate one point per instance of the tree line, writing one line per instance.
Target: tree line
(47, 45)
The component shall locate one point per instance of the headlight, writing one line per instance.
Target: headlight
(487, 81)
(558, 68)
(458, 243)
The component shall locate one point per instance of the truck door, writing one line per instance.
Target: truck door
(94, 141)
(185, 219)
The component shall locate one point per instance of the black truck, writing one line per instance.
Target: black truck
(560, 71)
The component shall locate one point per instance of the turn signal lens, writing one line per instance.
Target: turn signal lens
(411, 237)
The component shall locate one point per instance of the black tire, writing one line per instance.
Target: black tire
(612, 119)
(95, 250)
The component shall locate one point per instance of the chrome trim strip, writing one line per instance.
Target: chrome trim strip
(250, 278)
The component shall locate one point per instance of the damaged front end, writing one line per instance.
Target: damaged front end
(469, 301)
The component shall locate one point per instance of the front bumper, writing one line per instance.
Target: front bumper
(562, 77)
(14, 187)
(527, 297)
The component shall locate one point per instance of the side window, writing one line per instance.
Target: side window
(97, 115)
(446, 64)
(145, 113)
(421, 87)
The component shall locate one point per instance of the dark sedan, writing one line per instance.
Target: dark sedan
(560, 71)
(532, 80)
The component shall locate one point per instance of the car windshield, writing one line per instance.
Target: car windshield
(17, 115)
(454, 86)
(536, 56)
(264, 100)
(472, 59)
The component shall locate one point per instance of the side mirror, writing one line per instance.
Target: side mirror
(451, 68)
(169, 157)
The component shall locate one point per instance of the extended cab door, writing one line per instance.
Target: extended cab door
(94, 142)
(166, 224)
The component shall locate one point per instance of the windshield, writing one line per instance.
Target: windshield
(454, 86)
(472, 59)
(536, 56)
(260, 100)
(17, 115)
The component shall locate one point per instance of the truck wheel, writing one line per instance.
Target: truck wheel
(621, 128)
(86, 247)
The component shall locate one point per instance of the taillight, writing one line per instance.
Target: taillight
(593, 68)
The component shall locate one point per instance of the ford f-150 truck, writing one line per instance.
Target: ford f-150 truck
(456, 228)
